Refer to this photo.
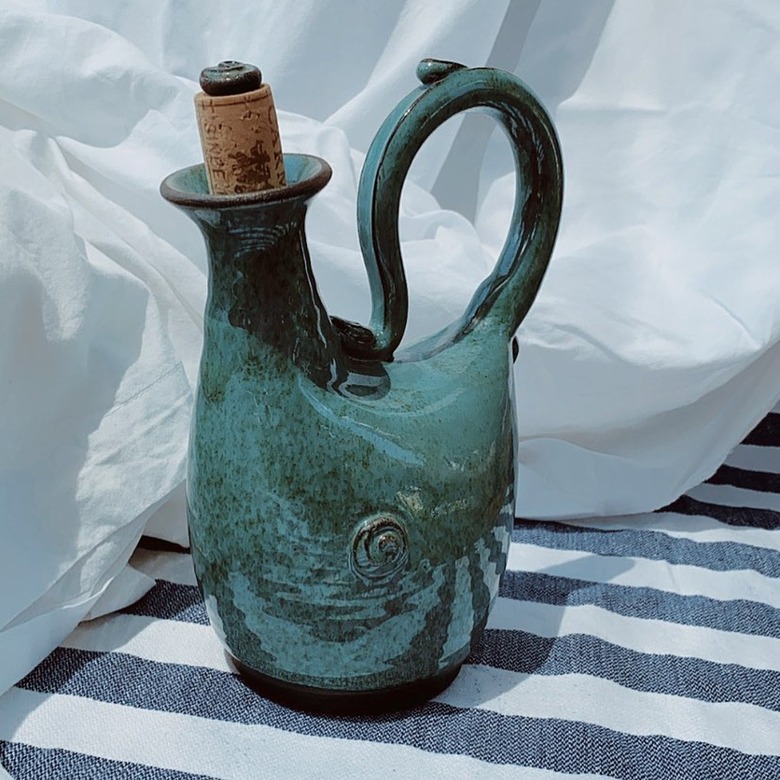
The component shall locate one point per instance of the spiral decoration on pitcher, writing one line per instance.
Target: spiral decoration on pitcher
(380, 547)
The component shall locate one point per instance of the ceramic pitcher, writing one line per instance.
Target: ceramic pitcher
(349, 503)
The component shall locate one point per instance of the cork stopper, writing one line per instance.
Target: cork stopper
(239, 132)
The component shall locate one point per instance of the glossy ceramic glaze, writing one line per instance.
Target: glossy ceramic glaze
(350, 505)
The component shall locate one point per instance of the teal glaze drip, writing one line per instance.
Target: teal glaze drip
(349, 513)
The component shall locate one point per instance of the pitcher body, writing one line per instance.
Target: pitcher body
(346, 543)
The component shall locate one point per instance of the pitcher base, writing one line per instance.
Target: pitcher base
(340, 702)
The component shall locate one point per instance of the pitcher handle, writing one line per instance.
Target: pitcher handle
(506, 295)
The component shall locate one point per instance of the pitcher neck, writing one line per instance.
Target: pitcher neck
(261, 282)
(262, 294)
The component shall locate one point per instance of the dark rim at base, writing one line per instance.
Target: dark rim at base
(338, 702)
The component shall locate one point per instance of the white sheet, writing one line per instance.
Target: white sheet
(652, 348)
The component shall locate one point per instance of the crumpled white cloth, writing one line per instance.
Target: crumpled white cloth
(652, 347)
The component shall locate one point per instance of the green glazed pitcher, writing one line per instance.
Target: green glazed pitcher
(350, 504)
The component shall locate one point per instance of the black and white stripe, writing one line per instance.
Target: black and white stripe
(630, 647)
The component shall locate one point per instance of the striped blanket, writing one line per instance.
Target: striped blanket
(632, 647)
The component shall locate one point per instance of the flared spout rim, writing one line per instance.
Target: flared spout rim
(306, 175)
